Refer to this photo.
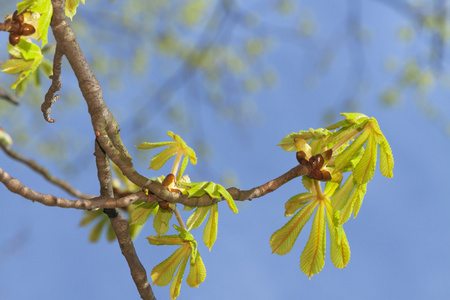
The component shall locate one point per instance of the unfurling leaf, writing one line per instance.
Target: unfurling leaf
(197, 218)
(284, 238)
(365, 169)
(141, 212)
(197, 273)
(296, 202)
(162, 274)
(161, 221)
(386, 158)
(312, 259)
(339, 247)
(176, 283)
(210, 231)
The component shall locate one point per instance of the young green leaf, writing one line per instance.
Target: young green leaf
(176, 283)
(348, 154)
(284, 238)
(210, 231)
(96, 231)
(141, 212)
(161, 221)
(340, 197)
(182, 168)
(163, 273)
(365, 169)
(197, 273)
(71, 7)
(339, 247)
(312, 259)
(228, 198)
(197, 218)
(361, 192)
(161, 240)
(162, 157)
(386, 158)
(296, 202)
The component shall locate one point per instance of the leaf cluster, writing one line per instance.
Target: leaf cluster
(355, 143)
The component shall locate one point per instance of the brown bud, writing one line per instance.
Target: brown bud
(14, 38)
(165, 205)
(26, 29)
(301, 158)
(326, 176)
(168, 181)
(327, 154)
(17, 18)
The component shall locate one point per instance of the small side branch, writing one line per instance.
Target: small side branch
(44, 172)
(17, 187)
(51, 96)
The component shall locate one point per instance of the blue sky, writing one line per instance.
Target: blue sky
(399, 240)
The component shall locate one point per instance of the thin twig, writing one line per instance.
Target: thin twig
(51, 96)
(45, 172)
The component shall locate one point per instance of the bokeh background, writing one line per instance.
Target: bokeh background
(233, 78)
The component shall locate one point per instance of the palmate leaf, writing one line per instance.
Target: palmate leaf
(339, 247)
(312, 259)
(340, 196)
(161, 240)
(163, 273)
(175, 147)
(284, 238)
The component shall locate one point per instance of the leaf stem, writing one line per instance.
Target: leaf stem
(318, 188)
(179, 219)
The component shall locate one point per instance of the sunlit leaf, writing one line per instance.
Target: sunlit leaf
(340, 197)
(148, 146)
(176, 283)
(161, 221)
(386, 158)
(160, 240)
(284, 238)
(339, 247)
(163, 273)
(228, 198)
(197, 218)
(210, 231)
(344, 158)
(296, 202)
(197, 273)
(140, 213)
(358, 202)
(312, 259)
(161, 158)
(366, 167)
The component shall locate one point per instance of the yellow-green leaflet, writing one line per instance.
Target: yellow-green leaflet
(162, 274)
(141, 212)
(197, 218)
(176, 283)
(346, 156)
(197, 273)
(284, 238)
(386, 158)
(365, 169)
(296, 202)
(210, 231)
(339, 248)
(340, 197)
(161, 221)
(96, 231)
(161, 240)
(312, 259)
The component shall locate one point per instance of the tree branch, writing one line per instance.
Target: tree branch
(44, 172)
(50, 97)
(121, 228)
